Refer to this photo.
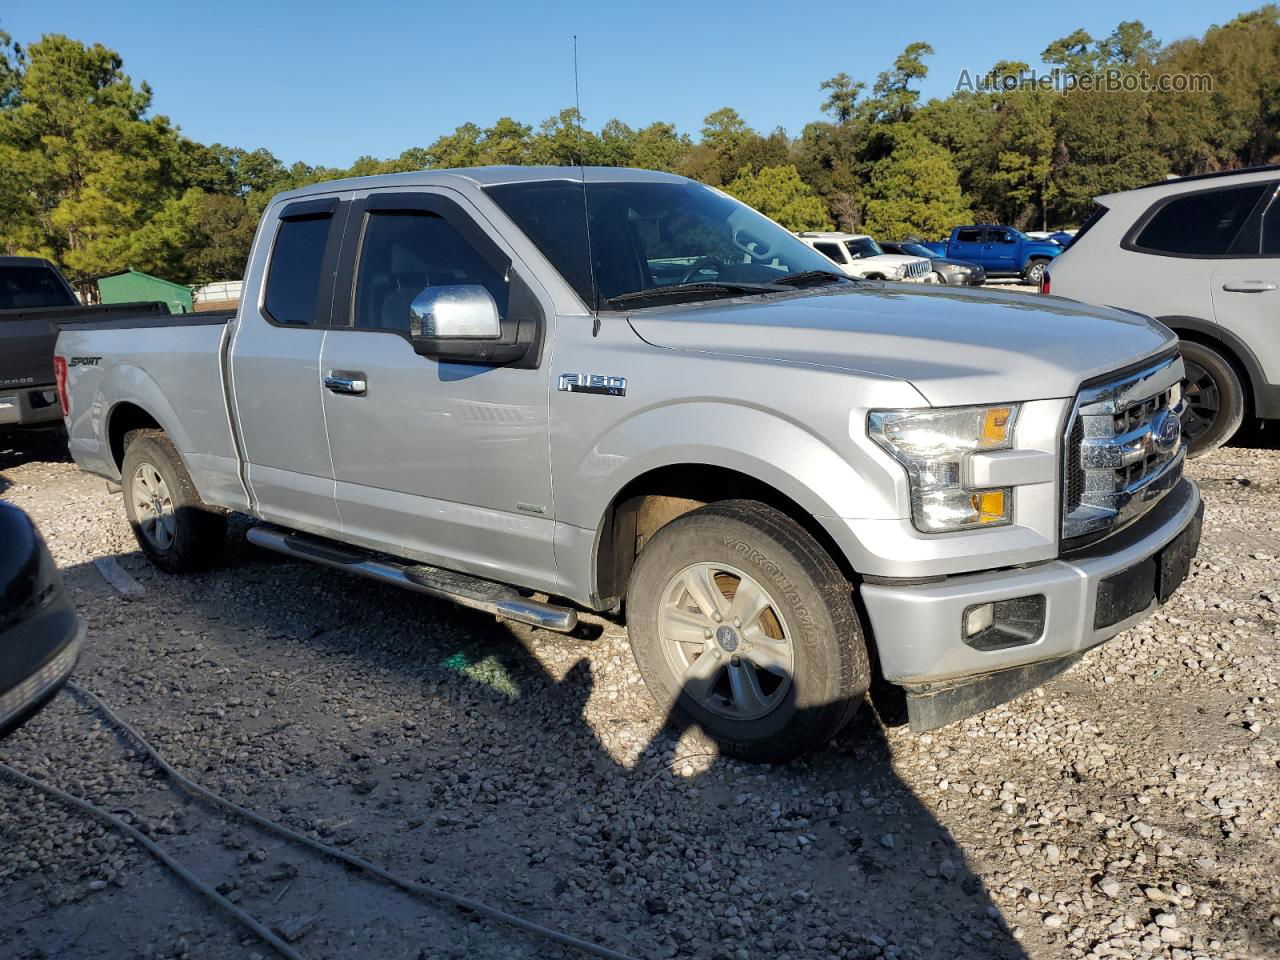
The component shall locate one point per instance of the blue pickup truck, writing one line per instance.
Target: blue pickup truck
(1001, 251)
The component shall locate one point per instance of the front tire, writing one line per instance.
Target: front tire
(741, 623)
(1034, 271)
(177, 531)
(1215, 399)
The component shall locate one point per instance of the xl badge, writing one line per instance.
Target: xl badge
(593, 383)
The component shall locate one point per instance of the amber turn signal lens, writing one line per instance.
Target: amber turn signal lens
(989, 505)
(995, 426)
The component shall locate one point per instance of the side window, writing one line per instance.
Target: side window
(999, 236)
(402, 254)
(1204, 223)
(968, 236)
(293, 276)
(1271, 227)
(830, 250)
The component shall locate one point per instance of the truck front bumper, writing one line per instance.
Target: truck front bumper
(1054, 612)
(25, 405)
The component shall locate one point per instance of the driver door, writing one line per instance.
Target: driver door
(440, 461)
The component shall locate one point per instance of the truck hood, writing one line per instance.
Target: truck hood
(955, 346)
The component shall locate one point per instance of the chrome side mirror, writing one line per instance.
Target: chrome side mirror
(454, 312)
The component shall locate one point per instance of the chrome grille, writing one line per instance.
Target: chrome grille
(917, 269)
(1123, 448)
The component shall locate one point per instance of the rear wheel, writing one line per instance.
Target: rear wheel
(177, 531)
(1215, 399)
(741, 623)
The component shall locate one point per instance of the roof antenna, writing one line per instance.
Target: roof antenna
(582, 172)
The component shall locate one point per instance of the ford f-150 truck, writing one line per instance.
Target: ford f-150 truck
(1001, 251)
(533, 390)
(34, 299)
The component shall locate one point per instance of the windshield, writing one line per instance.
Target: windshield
(863, 247)
(651, 235)
(27, 287)
(916, 250)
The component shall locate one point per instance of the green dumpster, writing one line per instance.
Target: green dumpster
(134, 286)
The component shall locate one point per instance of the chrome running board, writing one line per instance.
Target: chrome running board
(498, 599)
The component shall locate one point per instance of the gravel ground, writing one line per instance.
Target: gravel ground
(1130, 808)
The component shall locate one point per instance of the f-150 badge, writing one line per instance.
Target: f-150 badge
(593, 383)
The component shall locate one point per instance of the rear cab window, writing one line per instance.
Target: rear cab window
(293, 296)
(970, 235)
(29, 287)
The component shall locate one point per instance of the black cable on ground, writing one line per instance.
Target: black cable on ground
(417, 889)
(189, 878)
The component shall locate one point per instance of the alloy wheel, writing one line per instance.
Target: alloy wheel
(153, 506)
(725, 639)
(1204, 401)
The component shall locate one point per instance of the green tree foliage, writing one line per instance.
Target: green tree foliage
(76, 143)
(95, 181)
(914, 191)
(779, 193)
(893, 99)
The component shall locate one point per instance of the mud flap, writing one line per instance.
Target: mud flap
(935, 705)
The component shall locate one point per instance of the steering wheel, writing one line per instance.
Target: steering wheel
(698, 266)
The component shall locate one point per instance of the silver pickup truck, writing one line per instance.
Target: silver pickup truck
(532, 390)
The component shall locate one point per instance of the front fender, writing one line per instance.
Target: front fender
(840, 478)
(1040, 251)
(787, 456)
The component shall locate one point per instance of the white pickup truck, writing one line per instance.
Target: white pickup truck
(858, 255)
(534, 390)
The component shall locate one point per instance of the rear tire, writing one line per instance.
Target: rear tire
(1215, 399)
(177, 531)
(786, 663)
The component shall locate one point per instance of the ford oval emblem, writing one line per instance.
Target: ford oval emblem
(1168, 432)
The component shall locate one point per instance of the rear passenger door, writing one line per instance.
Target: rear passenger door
(275, 365)
(1246, 284)
(443, 462)
(967, 245)
(1000, 249)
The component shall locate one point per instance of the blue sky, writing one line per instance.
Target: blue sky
(325, 82)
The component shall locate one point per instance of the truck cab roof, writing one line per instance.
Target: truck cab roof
(837, 235)
(485, 177)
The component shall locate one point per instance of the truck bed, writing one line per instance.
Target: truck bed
(148, 364)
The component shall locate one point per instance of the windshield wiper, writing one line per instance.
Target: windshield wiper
(691, 291)
(811, 278)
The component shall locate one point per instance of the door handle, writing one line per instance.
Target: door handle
(1249, 286)
(350, 382)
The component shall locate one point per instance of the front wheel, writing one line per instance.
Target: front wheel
(1034, 272)
(1215, 399)
(173, 526)
(741, 623)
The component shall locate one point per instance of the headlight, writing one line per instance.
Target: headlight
(898, 272)
(933, 446)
